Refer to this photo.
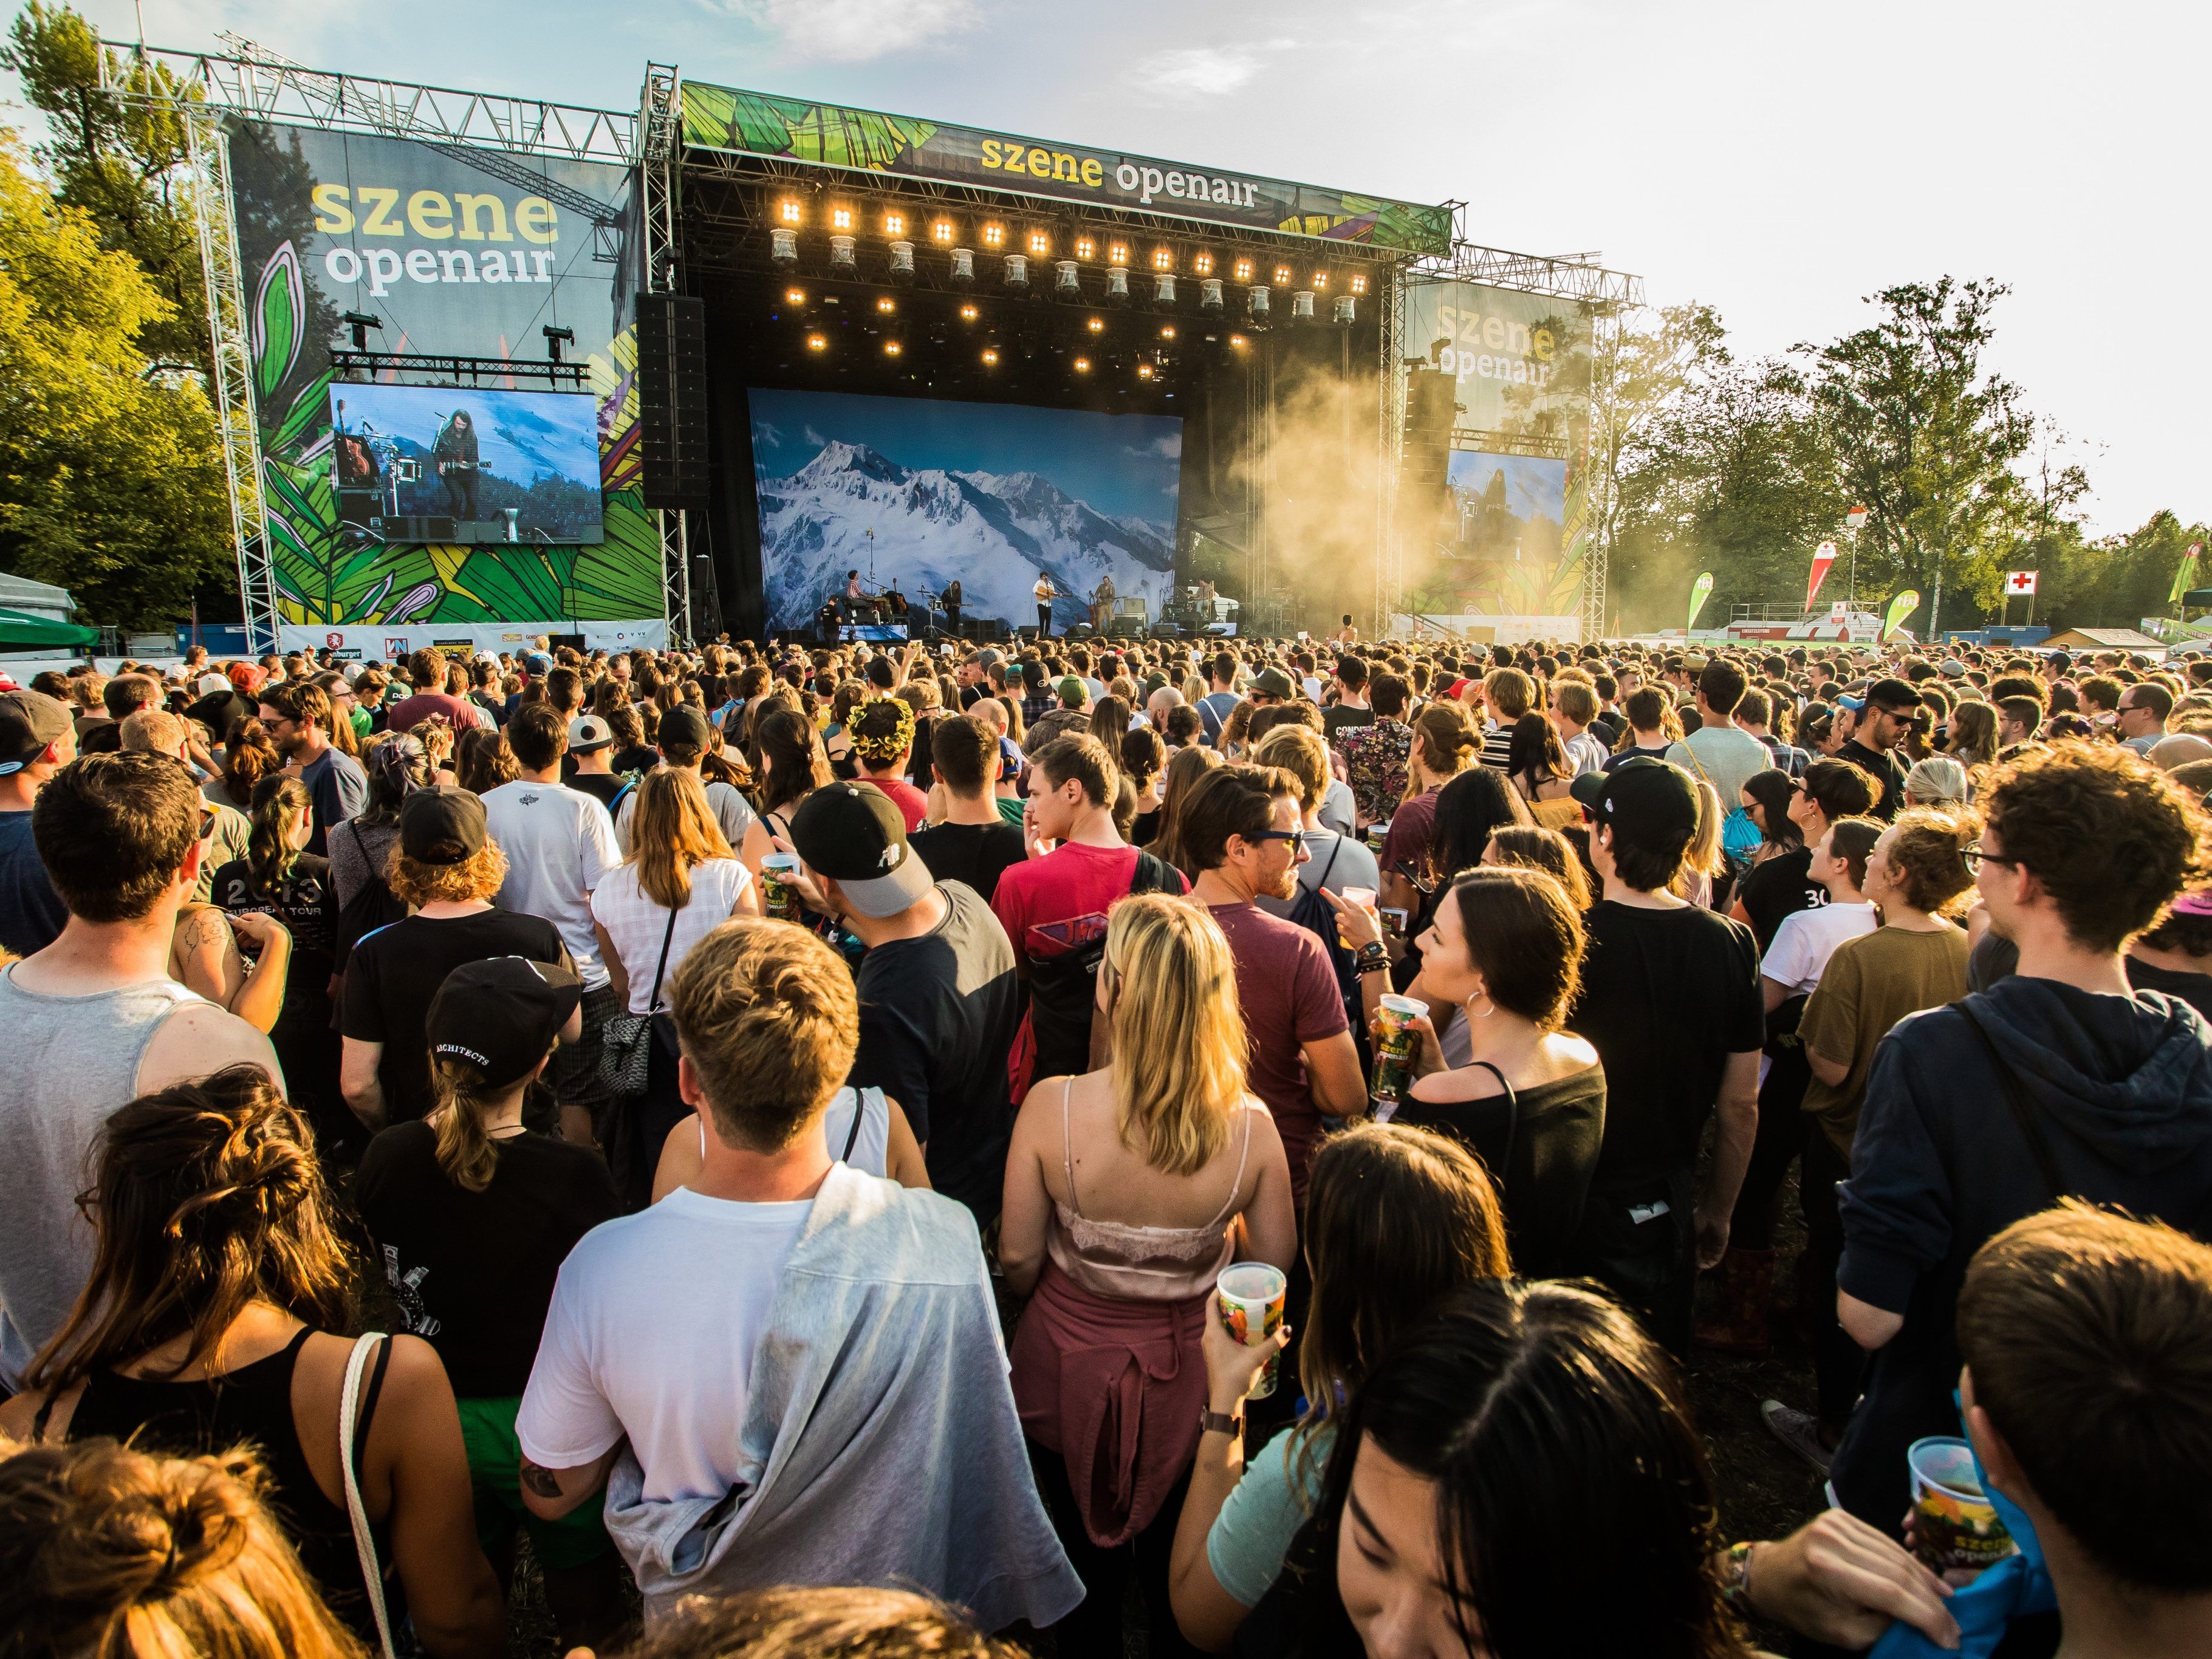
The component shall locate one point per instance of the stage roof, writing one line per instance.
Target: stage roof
(901, 146)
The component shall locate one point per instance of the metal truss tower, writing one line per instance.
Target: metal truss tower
(659, 142)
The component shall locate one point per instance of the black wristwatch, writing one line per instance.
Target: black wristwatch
(1210, 1420)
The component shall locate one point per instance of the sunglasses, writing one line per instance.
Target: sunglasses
(1296, 837)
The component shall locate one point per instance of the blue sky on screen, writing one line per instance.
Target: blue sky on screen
(520, 435)
(1533, 483)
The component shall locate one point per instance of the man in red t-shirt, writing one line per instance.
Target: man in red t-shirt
(1054, 905)
(1242, 827)
(425, 672)
(882, 731)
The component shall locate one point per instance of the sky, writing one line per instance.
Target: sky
(1123, 465)
(1780, 162)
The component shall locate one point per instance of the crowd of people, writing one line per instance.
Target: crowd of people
(791, 1109)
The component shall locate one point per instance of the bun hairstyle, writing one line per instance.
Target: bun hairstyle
(107, 1552)
(1446, 738)
(205, 1197)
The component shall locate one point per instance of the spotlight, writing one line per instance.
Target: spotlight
(787, 211)
(989, 357)
(1039, 244)
(1097, 325)
(885, 304)
(1082, 365)
(968, 313)
(894, 224)
(841, 218)
(1244, 270)
(963, 267)
(941, 232)
(1358, 283)
(841, 257)
(794, 296)
(1238, 342)
(1067, 281)
(902, 262)
(1117, 285)
(1168, 333)
(1117, 253)
(1143, 371)
(1342, 312)
(1017, 273)
(994, 235)
(818, 343)
(1301, 309)
(1209, 295)
(1163, 258)
(1164, 290)
(1202, 265)
(1321, 280)
(1257, 300)
(1085, 248)
(783, 247)
(1282, 276)
(892, 348)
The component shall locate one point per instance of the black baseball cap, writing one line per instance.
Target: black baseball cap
(502, 1015)
(855, 835)
(443, 825)
(1655, 798)
(29, 721)
(683, 728)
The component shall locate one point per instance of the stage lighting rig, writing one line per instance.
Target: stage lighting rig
(902, 263)
(841, 218)
(1163, 258)
(1168, 333)
(894, 224)
(1085, 248)
(1201, 264)
(1082, 365)
(794, 296)
(893, 349)
(842, 260)
(818, 343)
(789, 212)
(1238, 342)
(1067, 281)
(885, 304)
(1097, 326)
(1017, 273)
(1301, 307)
(1163, 291)
(1342, 312)
(1257, 303)
(783, 248)
(1117, 253)
(941, 232)
(1320, 281)
(1244, 270)
(1358, 283)
(554, 336)
(969, 313)
(1117, 285)
(963, 267)
(1282, 277)
(1143, 371)
(1039, 244)
(994, 235)
(361, 322)
(1209, 295)
(990, 358)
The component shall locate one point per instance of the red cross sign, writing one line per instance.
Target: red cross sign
(2019, 581)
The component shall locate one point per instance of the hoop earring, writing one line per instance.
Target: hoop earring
(1486, 1012)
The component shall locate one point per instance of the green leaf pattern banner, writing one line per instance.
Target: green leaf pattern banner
(284, 180)
(830, 135)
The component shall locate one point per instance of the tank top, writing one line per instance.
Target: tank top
(1141, 1264)
(251, 1406)
(72, 1061)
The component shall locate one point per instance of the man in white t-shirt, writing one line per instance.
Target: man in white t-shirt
(887, 1342)
(560, 844)
(1807, 939)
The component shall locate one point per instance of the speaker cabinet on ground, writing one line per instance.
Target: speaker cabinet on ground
(672, 383)
(1430, 412)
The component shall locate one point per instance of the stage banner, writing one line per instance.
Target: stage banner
(868, 141)
(1520, 364)
(454, 250)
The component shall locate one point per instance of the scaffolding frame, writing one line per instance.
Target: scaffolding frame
(660, 134)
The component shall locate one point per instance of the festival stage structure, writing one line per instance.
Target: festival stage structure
(807, 341)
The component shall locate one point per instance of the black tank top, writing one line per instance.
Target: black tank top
(251, 1406)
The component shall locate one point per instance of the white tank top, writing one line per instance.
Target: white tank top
(866, 1148)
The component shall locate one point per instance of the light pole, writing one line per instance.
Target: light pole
(1852, 521)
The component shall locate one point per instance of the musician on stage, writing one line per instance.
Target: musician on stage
(1102, 604)
(950, 601)
(897, 601)
(454, 453)
(1045, 594)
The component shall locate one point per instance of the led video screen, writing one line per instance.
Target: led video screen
(915, 493)
(465, 464)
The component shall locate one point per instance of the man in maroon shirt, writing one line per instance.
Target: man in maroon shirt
(425, 672)
(882, 732)
(1242, 827)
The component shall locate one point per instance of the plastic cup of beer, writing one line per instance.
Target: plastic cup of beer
(1250, 1295)
(1362, 896)
(1396, 1045)
(1955, 1527)
(1378, 835)
(778, 898)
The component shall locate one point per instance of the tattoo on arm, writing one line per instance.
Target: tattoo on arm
(537, 1477)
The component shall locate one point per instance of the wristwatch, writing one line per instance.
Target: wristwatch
(1210, 1420)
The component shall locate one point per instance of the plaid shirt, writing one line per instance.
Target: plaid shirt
(1374, 764)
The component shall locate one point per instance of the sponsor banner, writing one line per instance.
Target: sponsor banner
(830, 135)
(377, 643)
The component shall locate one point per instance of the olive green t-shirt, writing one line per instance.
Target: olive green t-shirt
(1869, 984)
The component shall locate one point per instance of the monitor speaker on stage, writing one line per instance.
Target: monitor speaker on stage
(671, 384)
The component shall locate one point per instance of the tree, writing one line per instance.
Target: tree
(110, 483)
(1925, 441)
(121, 160)
(1640, 364)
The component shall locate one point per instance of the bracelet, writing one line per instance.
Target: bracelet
(1371, 958)
(1213, 1422)
(1736, 1580)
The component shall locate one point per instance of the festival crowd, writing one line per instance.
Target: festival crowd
(792, 1109)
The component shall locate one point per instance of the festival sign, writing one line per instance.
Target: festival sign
(455, 251)
(1521, 361)
(830, 135)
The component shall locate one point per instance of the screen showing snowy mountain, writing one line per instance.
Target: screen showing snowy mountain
(920, 492)
(469, 453)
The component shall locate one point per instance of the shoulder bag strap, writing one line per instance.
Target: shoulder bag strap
(364, 1542)
(653, 1005)
(1331, 865)
(853, 1136)
(2023, 1109)
(1512, 1119)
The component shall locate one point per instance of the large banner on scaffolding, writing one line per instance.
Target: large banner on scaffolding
(454, 250)
(1512, 540)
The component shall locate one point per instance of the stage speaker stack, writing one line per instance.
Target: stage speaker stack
(1423, 468)
(672, 385)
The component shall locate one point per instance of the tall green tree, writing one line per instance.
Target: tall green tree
(122, 160)
(1926, 440)
(110, 483)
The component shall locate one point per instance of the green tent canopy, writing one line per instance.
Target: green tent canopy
(22, 631)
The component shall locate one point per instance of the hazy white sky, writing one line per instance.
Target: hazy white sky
(1779, 161)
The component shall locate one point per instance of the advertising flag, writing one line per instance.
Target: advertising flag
(2185, 577)
(1899, 608)
(1823, 556)
(1700, 590)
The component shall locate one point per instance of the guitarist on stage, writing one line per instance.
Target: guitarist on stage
(1102, 604)
(951, 600)
(1045, 594)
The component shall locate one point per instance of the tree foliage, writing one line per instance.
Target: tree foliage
(110, 483)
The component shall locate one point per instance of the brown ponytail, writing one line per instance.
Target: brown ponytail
(465, 1152)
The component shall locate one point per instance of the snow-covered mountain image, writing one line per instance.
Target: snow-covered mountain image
(850, 504)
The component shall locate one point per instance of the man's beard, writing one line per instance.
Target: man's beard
(1288, 886)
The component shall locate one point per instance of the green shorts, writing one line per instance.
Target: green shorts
(495, 1474)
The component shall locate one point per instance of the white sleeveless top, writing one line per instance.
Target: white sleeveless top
(869, 1149)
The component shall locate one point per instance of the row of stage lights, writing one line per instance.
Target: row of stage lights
(1258, 280)
(818, 343)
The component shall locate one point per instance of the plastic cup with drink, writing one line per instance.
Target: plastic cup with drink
(1377, 835)
(1250, 1297)
(1955, 1525)
(1364, 898)
(779, 894)
(1397, 1045)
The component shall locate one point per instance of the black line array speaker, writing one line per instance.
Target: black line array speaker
(1426, 461)
(672, 385)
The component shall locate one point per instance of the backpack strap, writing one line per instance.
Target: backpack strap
(1512, 1118)
(2024, 1116)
